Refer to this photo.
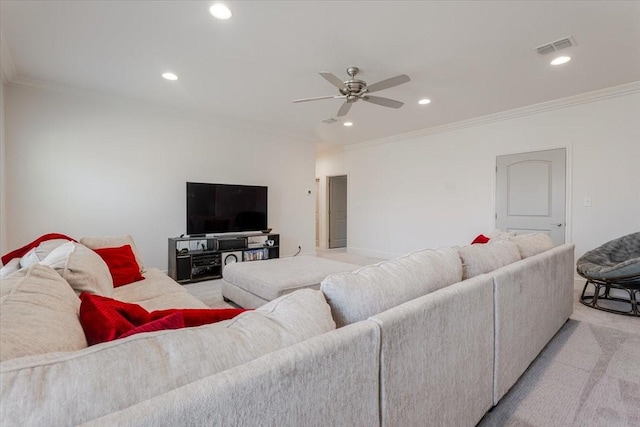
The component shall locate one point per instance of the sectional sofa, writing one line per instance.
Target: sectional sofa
(436, 337)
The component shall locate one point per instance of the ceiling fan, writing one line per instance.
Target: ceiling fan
(353, 90)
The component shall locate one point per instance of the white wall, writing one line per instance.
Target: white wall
(3, 216)
(87, 165)
(439, 189)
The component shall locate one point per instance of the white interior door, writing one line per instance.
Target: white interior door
(530, 194)
(337, 211)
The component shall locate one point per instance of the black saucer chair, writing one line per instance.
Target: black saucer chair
(613, 270)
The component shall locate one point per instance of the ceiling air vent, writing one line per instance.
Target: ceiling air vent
(329, 121)
(556, 45)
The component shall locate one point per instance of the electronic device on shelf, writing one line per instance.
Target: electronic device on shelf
(213, 253)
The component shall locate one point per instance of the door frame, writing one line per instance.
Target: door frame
(328, 207)
(568, 183)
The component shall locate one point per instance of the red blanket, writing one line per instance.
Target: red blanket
(106, 319)
(26, 248)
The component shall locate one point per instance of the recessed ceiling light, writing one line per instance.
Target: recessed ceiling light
(169, 76)
(347, 124)
(220, 11)
(561, 60)
(424, 101)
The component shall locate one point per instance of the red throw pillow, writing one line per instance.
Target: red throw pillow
(122, 264)
(106, 319)
(481, 238)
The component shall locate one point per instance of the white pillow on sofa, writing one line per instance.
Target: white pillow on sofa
(532, 243)
(11, 267)
(480, 259)
(87, 272)
(40, 252)
(38, 314)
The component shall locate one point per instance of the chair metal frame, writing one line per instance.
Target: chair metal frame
(602, 291)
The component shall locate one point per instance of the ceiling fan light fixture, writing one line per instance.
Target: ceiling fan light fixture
(169, 76)
(220, 11)
(424, 101)
(347, 124)
(561, 60)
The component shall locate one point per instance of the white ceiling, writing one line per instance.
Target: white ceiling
(471, 58)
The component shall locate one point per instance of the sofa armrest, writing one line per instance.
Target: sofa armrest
(533, 299)
(437, 357)
(330, 379)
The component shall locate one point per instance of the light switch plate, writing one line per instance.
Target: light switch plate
(587, 202)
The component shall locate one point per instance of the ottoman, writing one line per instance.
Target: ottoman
(252, 284)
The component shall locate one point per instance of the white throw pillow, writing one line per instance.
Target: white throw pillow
(532, 243)
(481, 259)
(40, 252)
(11, 267)
(59, 257)
(38, 314)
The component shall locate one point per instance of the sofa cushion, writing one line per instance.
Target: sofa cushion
(38, 314)
(83, 385)
(157, 292)
(113, 242)
(122, 264)
(532, 243)
(480, 259)
(370, 290)
(83, 269)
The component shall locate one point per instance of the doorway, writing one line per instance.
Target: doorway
(531, 193)
(337, 201)
(317, 212)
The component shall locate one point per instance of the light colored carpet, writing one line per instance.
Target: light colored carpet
(588, 375)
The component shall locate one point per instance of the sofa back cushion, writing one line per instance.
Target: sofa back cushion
(480, 259)
(86, 384)
(83, 269)
(370, 290)
(114, 242)
(38, 314)
(532, 243)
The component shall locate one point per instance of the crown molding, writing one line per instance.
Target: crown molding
(7, 65)
(598, 95)
(42, 85)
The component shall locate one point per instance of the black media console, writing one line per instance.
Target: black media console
(192, 259)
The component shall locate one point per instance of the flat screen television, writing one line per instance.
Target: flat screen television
(224, 208)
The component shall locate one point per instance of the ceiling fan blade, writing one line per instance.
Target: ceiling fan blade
(385, 102)
(344, 109)
(386, 84)
(317, 98)
(331, 78)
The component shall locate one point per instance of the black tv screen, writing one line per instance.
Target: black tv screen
(224, 208)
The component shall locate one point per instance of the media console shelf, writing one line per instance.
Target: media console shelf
(192, 259)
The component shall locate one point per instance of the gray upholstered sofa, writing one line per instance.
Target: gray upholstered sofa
(432, 338)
